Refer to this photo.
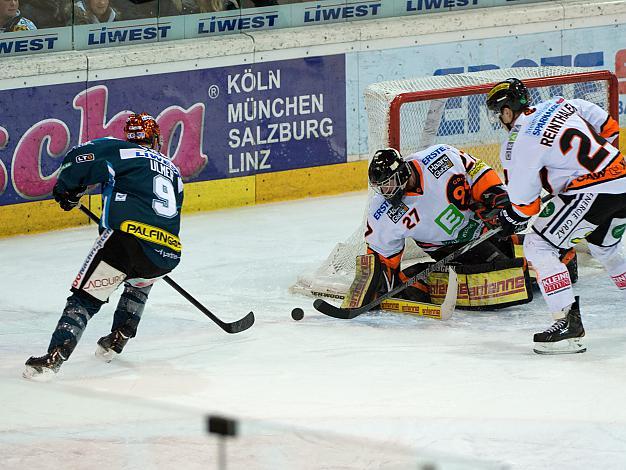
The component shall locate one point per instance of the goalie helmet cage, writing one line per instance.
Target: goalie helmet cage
(413, 114)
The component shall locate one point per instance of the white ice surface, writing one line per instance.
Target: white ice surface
(470, 386)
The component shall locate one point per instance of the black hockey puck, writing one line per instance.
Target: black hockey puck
(297, 314)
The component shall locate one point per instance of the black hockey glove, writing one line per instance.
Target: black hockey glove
(511, 222)
(496, 197)
(68, 199)
(492, 202)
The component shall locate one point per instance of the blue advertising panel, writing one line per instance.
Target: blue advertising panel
(124, 33)
(310, 13)
(237, 21)
(413, 7)
(225, 122)
(152, 29)
(36, 41)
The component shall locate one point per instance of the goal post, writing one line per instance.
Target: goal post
(413, 114)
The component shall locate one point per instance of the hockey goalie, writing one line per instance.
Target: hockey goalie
(440, 197)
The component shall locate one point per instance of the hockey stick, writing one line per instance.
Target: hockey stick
(349, 313)
(441, 311)
(234, 327)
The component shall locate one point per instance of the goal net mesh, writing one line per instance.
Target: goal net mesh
(413, 114)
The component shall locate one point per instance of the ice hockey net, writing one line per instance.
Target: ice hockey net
(413, 114)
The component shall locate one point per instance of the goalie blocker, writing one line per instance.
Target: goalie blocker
(501, 282)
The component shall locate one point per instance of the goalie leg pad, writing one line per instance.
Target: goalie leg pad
(365, 284)
(486, 286)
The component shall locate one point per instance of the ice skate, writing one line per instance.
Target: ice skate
(564, 336)
(111, 345)
(45, 367)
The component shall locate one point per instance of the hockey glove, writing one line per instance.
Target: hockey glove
(496, 197)
(492, 202)
(68, 199)
(488, 216)
(511, 222)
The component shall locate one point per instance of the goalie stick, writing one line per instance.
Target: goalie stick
(233, 327)
(348, 313)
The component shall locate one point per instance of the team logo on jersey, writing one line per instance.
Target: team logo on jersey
(433, 155)
(151, 234)
(440, 166)
(618, 231)
(381, 210)
(476, 168)
(450, 219)
(458, 191)
(468, 232)
(87, 157)
(511, 142)
(395, 213)
(548, 210)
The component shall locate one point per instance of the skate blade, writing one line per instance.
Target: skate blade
(30, 373)
(105, 355)
(566, 346)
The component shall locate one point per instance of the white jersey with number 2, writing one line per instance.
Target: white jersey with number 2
(564, 147)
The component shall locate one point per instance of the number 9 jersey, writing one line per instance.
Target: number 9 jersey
(563, 146)
(438, 214)
(142, 193)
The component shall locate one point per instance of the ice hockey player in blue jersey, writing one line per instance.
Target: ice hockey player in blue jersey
(142, 195)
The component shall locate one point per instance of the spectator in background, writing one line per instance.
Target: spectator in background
(94, 11)
(259, 3)
(136, 9)
(11, 19)
(177, 7)
(206, 6)
(48, 13)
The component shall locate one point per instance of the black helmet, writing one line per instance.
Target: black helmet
(511, 93)
(388, 174)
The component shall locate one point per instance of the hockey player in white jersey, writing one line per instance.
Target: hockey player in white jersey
(565, 147)
(439, 197)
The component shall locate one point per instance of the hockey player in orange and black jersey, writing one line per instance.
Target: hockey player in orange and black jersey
(440, 197)
(565, 147)
(142, 194)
